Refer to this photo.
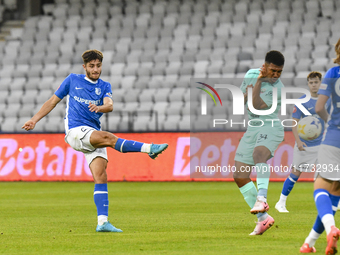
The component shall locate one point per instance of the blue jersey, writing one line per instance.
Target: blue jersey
(331, 87)
(81, 92)
(310, 106)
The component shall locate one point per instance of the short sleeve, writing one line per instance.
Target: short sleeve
(64, 88)
(108, 90)
(297, 114)
(249, 78)
(327, 83)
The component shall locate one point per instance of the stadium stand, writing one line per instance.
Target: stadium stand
(152, 49)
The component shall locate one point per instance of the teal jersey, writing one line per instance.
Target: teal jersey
(267, 96)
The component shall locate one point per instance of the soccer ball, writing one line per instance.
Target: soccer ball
(309, 128)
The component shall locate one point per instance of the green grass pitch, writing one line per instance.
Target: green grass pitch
(157, 218)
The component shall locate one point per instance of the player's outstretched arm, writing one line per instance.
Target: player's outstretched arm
(44, 110)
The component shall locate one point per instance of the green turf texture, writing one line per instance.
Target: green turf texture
(157, 218)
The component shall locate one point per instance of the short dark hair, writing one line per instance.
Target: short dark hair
(275, 57)
(90, 55)
(314, 74)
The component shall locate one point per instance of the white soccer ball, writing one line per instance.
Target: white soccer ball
(309, 128)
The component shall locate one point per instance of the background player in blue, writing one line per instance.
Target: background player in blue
(88, 97)
(305, 152)
(327, 181)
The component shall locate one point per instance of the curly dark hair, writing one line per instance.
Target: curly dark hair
(90, 55)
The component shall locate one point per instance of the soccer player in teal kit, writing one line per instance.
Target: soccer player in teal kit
(261, 138)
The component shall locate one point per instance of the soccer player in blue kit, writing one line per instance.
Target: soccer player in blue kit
(327, 181)
(305, 152)
(88, 97)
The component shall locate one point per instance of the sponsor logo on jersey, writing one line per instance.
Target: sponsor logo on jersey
(270, 93)
(86, 101)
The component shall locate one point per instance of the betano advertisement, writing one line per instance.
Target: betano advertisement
(46, 157)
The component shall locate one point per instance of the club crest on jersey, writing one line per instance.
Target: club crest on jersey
(98, 91)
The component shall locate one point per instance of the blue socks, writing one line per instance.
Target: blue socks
(123, 145)
(289, 183)
(324, 206)
(323, 202)
(101, 199)
(318, 226)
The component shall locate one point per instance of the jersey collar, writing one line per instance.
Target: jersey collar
(93, 82)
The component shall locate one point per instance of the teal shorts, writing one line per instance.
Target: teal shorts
(258, 137)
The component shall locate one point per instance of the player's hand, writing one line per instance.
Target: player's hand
(301, 145)
(29, 125)
(263, 72)
(93, 108)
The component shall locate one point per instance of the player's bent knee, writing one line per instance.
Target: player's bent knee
(102, 139)
(261, 156)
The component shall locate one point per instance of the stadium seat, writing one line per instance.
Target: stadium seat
(5, 85)
(26, 110)
(140, 123)
(14, 96)
(287, 78)
(184, 124)
(12, 109)
(146, 95)
(54, 124)
(30, 96)
(161, 95)
(303, 65)
(319, 64)
(18, 83)
(131, 95)
(177, 94)
(145, 106)
(8, 124)
(174, 108)
(43, 96)
(169, 125)
(160, 107)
